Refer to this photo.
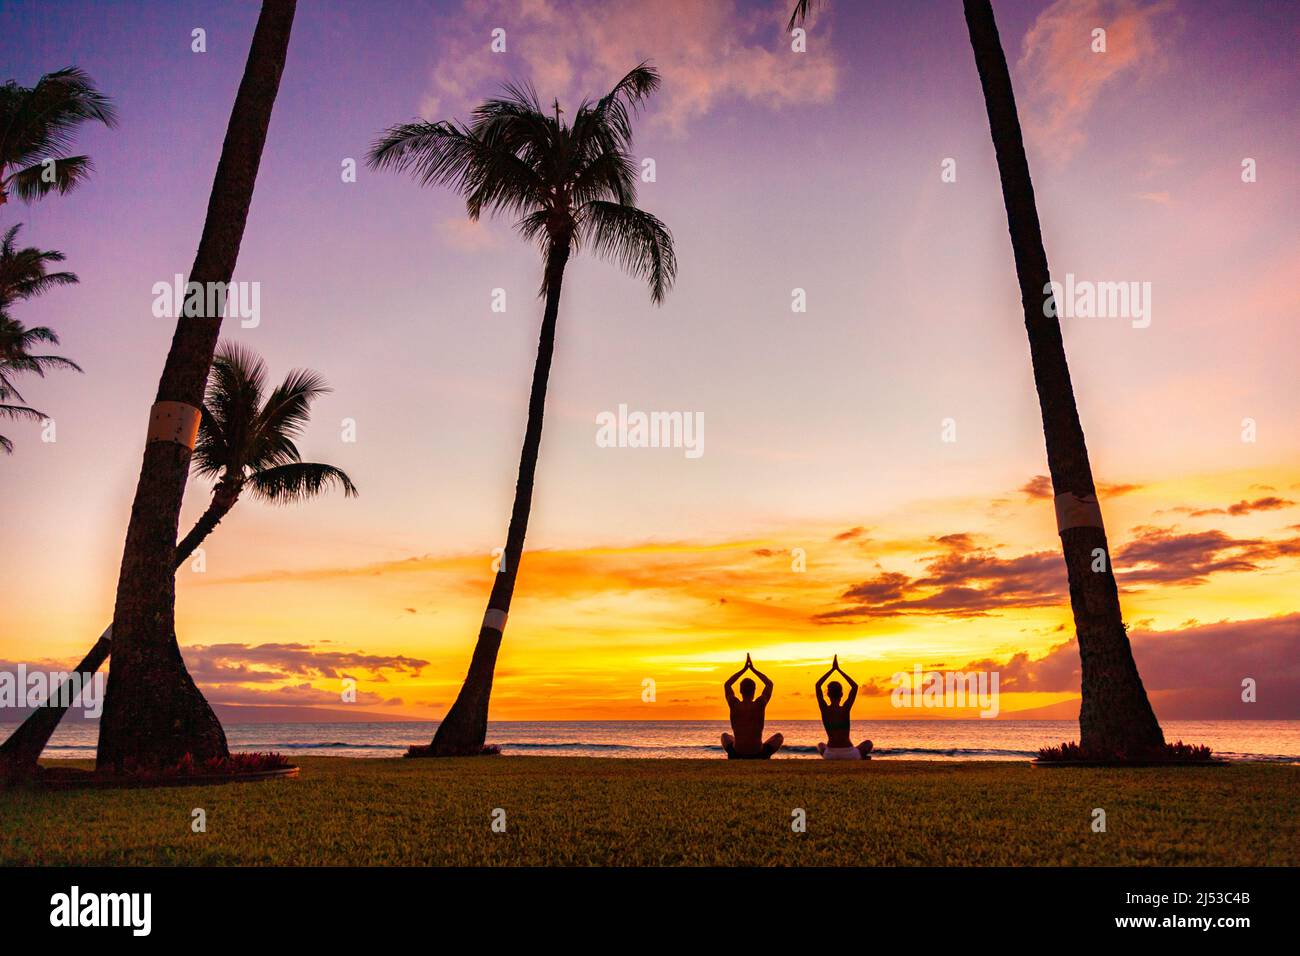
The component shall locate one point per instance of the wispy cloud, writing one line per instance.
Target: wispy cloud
(1063, 78)
(708, 51)
(467, 235)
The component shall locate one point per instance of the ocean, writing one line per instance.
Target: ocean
(1267, 740)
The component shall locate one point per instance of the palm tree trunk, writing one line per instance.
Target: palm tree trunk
(19, 754)
(224, 497)
(153, 712)
(1115, 719)
(463, 730)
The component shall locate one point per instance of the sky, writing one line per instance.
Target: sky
(871, 478)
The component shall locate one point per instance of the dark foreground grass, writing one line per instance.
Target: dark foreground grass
(562, 810)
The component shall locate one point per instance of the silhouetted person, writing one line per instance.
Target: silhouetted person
(747, 718)
(835, 718)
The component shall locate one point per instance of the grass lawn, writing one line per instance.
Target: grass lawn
(564, 810)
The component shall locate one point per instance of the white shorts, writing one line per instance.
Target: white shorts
(842, 753)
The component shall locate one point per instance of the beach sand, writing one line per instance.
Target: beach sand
(579, 811)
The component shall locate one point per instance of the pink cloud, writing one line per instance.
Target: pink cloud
(1063, 78)
(467, 235)
(708, 52)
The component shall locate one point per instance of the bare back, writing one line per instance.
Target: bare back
(747, 718)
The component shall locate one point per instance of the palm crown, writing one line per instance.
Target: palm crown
(37, 124)
(246, 437)
(568, 185)
(24, 275)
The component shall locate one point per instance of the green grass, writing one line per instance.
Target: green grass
(599, 811)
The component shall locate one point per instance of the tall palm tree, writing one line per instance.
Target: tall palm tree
(153, 712)
(247, 441)
(38, 124)
(567, 185)
(24, 274)
(1115, 719)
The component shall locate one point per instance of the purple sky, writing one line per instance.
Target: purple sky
(775, 170)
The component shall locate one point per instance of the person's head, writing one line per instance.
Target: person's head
(747, 689)
(834, 691)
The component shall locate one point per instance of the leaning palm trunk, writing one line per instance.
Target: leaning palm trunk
(19, 754)
(154, 713)
(464, 729)
(1115, 719)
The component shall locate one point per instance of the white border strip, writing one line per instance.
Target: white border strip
(1075, 512)
(174, 422)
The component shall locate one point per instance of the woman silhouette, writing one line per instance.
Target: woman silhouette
(835, 718)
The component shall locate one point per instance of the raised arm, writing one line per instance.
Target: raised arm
(853, 688)
(821, 698)
(764, 697)
(727, 692)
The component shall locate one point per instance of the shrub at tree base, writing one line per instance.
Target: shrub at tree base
(1071, 752)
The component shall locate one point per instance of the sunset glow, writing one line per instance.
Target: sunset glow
(834, 510)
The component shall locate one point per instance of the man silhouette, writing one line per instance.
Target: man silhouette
(747, 718)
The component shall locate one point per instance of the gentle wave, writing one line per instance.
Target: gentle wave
(1251, 741)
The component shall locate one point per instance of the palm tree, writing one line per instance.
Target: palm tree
(37, 124)
(15, 357)
(24, 274)
(247, 440)
(153, 712)
(568, 186)
(1115, 719)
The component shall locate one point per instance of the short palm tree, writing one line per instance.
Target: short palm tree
(1115, 717)
(37, 124)
(567, 186)
(247, 441)
(24, 274)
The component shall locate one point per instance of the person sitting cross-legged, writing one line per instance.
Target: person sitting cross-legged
(835, 718)
(746, 740)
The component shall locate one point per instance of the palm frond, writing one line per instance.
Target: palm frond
(23, 271)
(298, 481)
(42, 121)
(233, 402)
(285, 415)
(212, 455)
(633, 238)
(32, 182)
(802, 10)
(20, 412)
(484, 170)
(37, 364)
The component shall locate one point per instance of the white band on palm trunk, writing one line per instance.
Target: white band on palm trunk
(174, 422)
(1075, 512)
(495, 619)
